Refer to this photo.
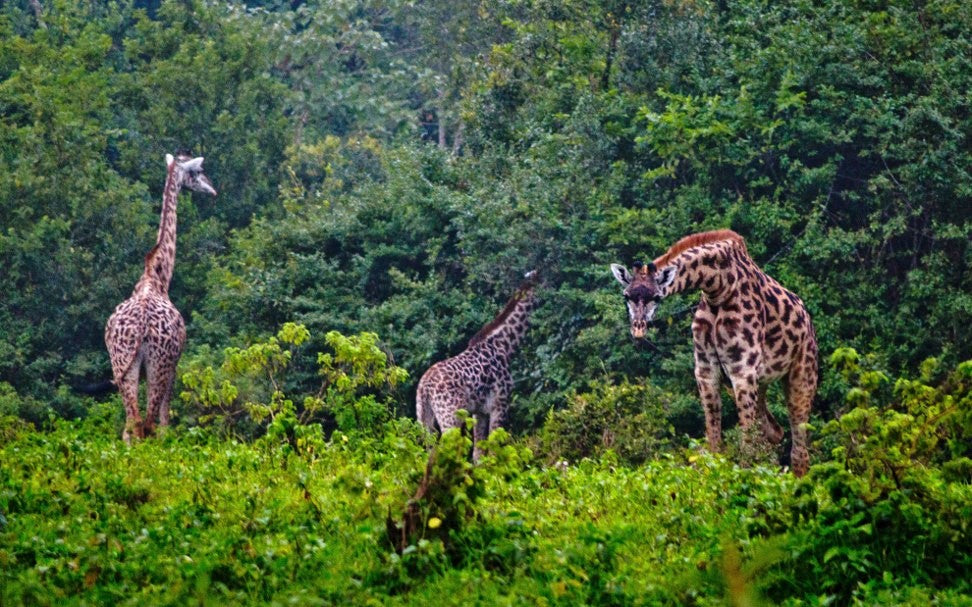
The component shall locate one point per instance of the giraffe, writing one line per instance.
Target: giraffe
(746, 325)
(146, 330)
(478, 378)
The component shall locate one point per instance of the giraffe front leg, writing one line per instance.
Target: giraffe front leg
(707, 377)
(746, 392)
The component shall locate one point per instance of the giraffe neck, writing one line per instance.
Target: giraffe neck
(160, 261)
(708, 268)
(505, 332)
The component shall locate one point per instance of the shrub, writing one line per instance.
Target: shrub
(630, 418)
(246, 395)
(893, 503)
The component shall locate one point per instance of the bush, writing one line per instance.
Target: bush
(245, 396)
(892, 505)
(631, 419)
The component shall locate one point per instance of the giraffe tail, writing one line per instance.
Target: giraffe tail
(423, 410)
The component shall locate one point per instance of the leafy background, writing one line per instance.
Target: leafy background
(388, 170)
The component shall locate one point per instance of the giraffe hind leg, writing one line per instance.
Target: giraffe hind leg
(128, 387)
(160, 379)
(771, 428)
(800, 388)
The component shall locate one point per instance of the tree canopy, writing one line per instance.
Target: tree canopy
(396, 166)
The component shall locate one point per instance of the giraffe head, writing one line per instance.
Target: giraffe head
(644, 286)
(526, 288)
(189, 173)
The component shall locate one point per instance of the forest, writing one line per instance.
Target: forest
(387, 172)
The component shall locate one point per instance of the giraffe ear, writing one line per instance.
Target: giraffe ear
(193, 165)
(621, 273)
(666, 276)
(169, 160)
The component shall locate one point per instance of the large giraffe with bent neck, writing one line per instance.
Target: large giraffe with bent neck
(146, 330)
(747, 326)
(478, 379)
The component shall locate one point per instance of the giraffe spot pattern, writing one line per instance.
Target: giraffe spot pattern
(751, 327)
(478, 379)
(146, 332)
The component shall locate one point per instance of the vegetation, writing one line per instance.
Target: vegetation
(387, 170)
(295, 518)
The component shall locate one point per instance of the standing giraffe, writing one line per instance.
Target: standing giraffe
(478, 378)
(146, 330)
(747, 325)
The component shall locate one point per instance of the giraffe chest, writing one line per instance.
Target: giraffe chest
(730, 335)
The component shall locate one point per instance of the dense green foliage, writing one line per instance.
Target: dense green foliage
(386, 173)
(393, 168)
(363, 518)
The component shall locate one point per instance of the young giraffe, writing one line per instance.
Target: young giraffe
(146, 330)
(747, 325)
(478, 379)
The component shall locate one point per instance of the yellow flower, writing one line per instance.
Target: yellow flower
(434, 522)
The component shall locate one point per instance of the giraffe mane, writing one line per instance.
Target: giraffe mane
(151, 255)
(700, 238)
(499, 320)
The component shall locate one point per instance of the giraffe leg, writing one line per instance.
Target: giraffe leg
(707, 376)
(480, 432)
(160, 379)
(801, 386)
(771, 429)
(497, 414)
(128, 387)
(745, 390)
(497, 406)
